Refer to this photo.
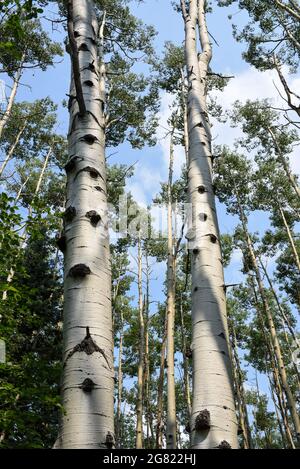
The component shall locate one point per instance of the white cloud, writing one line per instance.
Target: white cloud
(252, 84)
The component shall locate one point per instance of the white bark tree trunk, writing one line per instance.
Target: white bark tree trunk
(88, 372)
(11, 150)
(213, 421)
(140, 377)
(171, 397)
(12, 96)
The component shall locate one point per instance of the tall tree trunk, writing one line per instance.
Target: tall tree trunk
(240, 393)
(12, 272)
(16, 81)
(272, 329)
(213, 421)
(284, 163)
(120, 384)
(160, 389)
(140, 374)
(291, 239)
(171, 397)
(271, 358)
(88, 371)
(186, 374)
(12, 149)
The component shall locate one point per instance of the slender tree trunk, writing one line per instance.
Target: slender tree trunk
(120, 385)
(140, 374)
(88, 371)
(16, 81)
(213, 421)
(240, 393)
(272, 329)
(12, 272)
(271, 358)
(185, 118)
(284, 163)
(291, 240)
(12, 149)
(186, 377)
(171, 397)
(160, 388)
(147, 377)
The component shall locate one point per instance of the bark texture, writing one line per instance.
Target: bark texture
(213, 420)
(88, 373)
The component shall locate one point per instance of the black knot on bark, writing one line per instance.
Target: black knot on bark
(91, 67)
(202, 421)
(83, 47)
(89, 139)
(109, 441)
(240, 430)
(99, 189)
(202, 216)
(70, 213)
(61, 242)
(94, 217)
(222, 335)
(70, 164)
(87, 385)
(213, 238)
(196, 251)
(79, 270)
(201, 189)
(195, 289)
(76, 34)
(224, 445)
(88, 83)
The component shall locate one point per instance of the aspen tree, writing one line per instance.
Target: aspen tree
(88, 372)
(213, 420)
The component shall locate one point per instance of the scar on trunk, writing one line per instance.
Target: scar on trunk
(70, 213)
(89, 139)
(201, 189)
(71, 164)
(94, 217)
(87, 385)
(224, 445)
(109, 441)
(79, 270)
(94, 173)
(202, 421)
(89, 346)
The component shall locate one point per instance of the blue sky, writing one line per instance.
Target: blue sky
(151, 168)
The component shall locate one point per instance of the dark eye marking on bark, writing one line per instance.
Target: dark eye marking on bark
(202, 216)
(224, 445)
(202, 421)
(89, 139)
(94, 173)
(195, 289)
(213, 238)
(61, 242)
(109, 441)
(94, 217)
(87, 385)
(71, 164)
(70, 213)
(79, 270)
(83, 47)
(88, 83)
(201, 189)
(196, 251)
(76, 34)
(88, 346)
(222, 335)
(99, 189)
